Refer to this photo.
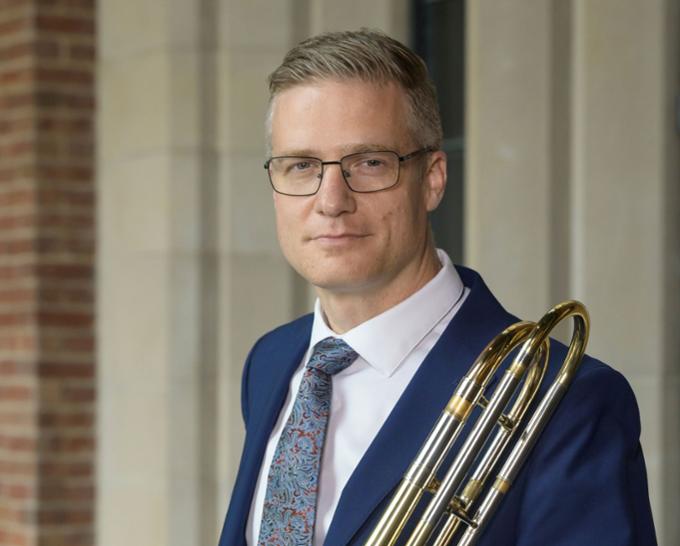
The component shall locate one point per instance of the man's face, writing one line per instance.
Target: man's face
(339, 240)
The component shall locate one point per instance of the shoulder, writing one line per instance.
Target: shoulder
(597, 392)
(284, 338)
(588, 461)
(272, 360)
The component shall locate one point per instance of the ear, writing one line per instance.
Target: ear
(434, 180)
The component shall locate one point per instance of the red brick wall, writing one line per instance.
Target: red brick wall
(47, 372)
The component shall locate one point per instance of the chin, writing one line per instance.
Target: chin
(341, 282)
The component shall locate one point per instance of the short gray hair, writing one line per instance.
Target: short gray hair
(369, 56)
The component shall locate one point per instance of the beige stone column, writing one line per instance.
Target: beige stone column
(157, 279)
(625, 214)
(572, 188)
(508, 150)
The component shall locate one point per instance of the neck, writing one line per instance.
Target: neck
(346, 309)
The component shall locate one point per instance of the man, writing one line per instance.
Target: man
(356, 167)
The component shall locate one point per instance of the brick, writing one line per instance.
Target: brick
(65, 173)
(15, 77)
(72, 420)
(10, 369)
(66, 295)
(61, 370)
(13, 538)
(16, 247)
(15, 100)
(17, 342)
(81, 344)
(12, 272)
(14, 469)
(65, 126)
(46, 49)
(64, 76)
(20, 491)
(64, 271)
(15, 392)
(19, 50)
(17, 443)
(83, 444)
(52, 516)
(15, 222)
(15, 149)
(6, 4)
(63, 492)
(79, 394)
(64, 24)
(52, 469)
(87, 5)
(14, 319)
(15, 126)
(15, 25)
(82, 52)
(61, 99)
(10, 419)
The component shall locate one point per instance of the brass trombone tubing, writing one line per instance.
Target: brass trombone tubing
(474, 486)
(541, 416)
(475, 441)
(421, 473)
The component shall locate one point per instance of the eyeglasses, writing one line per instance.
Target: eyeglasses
(364, 172)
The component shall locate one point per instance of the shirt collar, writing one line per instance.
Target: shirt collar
(387, 339)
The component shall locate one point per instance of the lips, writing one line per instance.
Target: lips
(337, 238)
(337, 235)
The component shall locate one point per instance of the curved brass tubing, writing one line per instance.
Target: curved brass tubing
(450, 511)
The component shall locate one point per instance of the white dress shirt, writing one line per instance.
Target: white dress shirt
(391, 347)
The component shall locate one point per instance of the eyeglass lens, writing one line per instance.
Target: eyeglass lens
(363, 172)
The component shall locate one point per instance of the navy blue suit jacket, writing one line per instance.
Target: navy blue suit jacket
(585, 483)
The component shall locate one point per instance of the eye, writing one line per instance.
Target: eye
(297, 166)
(373, 162)
(301, 165)
(370, 164)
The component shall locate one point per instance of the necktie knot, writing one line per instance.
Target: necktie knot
(331, 355)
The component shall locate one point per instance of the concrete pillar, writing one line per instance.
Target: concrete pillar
(157, 275)
(508, 151)
(625, 214)
(573, 188)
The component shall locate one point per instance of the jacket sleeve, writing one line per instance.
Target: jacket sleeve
(587, 482)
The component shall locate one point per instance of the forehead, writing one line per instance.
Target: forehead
(332, 116)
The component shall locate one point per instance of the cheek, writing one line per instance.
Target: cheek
(284, 223)
(290, 223)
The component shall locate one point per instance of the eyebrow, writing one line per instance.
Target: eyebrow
(344, 150)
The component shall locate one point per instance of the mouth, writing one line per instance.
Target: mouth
(337, 238)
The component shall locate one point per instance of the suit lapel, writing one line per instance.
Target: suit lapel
(274, 365)
(480, 318)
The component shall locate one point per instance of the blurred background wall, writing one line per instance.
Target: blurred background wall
(562, 132)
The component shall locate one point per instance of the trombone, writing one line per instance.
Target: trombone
(462, 504)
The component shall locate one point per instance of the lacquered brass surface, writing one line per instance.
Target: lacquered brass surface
(462, 502)
(459, 407)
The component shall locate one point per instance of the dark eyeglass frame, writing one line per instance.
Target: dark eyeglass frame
(401, 159)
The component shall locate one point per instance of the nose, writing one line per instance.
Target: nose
(334, 196)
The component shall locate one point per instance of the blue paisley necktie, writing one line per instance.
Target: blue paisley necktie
(290, 502)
